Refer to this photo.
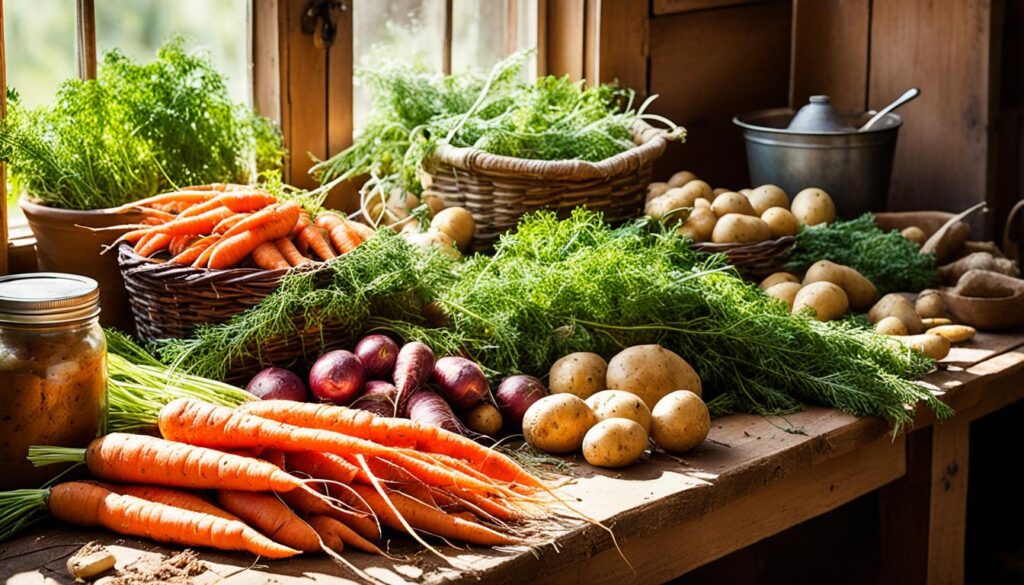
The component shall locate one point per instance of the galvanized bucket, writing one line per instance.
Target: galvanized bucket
(855, 168)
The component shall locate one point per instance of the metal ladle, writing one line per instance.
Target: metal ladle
(906, 97)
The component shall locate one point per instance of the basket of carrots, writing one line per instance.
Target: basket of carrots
(204, 254)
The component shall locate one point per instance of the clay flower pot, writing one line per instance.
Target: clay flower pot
(64, 244)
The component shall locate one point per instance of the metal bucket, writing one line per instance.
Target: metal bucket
(855, 168)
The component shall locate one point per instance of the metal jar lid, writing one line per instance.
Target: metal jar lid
(48, 298)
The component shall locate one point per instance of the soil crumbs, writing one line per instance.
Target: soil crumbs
(179, 569)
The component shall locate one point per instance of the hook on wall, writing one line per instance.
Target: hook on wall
(318, 21)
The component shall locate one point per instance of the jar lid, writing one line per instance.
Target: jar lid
(818, 116)
(48, 298)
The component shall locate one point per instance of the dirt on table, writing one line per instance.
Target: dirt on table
(179, 569)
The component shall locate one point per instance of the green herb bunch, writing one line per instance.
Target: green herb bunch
(890, 261)
(137, 130)
(556, 287)
(414, 111)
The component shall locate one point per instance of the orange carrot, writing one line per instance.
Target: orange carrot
(153, 245)
(193, 197)
(272, 517)
(267, 214)
(87, 504)
(195, 224)
(335, 535)
(142, 459)
(304, 220)
(237, 201)
(199, 423)
(315, 239)
(393, 432)
(234, 248)
(322, 466)
(169, 497)
(180, 243)
(422, 517)
(204, 256)
(344, 238)
(290, 253)
(194, 250)
(227, 223)
(268, 257)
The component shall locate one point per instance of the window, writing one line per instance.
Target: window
(482, 33)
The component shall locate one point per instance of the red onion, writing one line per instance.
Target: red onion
(517, 393)
(378, 354)
(461, 381)
(277, 384)
(338, 377)
(378, 397)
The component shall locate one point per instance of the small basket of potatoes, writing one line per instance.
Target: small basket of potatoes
(753, 227)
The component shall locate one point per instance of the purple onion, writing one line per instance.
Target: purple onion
(277, 384)
(337, 377)
(378, 354)
(426, 407)
(461, 381)
(517, 393)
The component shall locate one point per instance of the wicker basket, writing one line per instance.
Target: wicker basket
(498, 189)
(170, 300)
(752, 260)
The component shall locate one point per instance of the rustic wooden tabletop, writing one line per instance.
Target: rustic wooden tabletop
(754, 477)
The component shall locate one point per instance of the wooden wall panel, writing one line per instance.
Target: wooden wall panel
(830, 52)
(710, 65)
(565, 37)
(340, 71)
(619, 30)
(944, 155)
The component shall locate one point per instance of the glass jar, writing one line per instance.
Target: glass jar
(53, 370)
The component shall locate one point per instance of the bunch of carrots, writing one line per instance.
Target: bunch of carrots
(280, 478)
(221, 225)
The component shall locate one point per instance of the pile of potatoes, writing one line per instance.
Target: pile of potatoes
(612, 410)
(451, 229)
(922, 325)
(734, 217)
(830, 290)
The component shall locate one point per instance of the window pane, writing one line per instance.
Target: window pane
(40, 43)
(412, 30)
(139, 27)
(484, 33)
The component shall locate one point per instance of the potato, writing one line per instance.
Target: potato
(718, 191)
(858, 289)
(656, 190)
(731, 203)
(699, 189)
(616, 442)
(914, 234)
(930, 322)
(701, 202)
(650, 372)
(580, 373)
(954, 333)
(746, 192)
(933, 346)
(930, 305)
(680, 421)
(458, 223)
(827, 300)
(434, 202)
(813, 206)
(672, 200)
(896, 305)
(558, 423)
(483, 418)
(700, 225)
(785, 291)
(366, 231)
(734, 228)
(620, 404)
(775, 278)
(681, 178)
(90, 561)
(765, 197)
(890, 326)
(780, 222)
(436, 239)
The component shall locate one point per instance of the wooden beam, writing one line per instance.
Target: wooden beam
(830, 52)
(565, 38)
(446, 43)
(674, 6)
(265, 51)
(618, 49)
(340, 72)
(542, 38)
(85, 21)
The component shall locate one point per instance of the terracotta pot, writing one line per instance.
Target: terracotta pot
(63, 246)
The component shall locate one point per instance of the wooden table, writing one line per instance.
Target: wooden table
(753, 478)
